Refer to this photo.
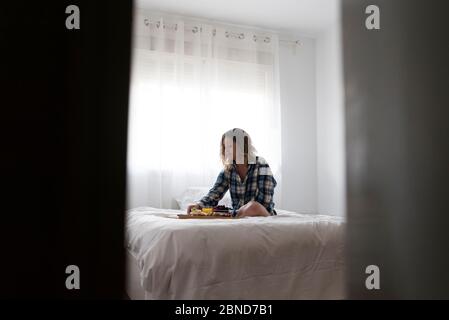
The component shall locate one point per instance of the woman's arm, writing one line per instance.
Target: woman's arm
(266, 184)
(217, 192)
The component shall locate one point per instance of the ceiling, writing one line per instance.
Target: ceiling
(301, 17)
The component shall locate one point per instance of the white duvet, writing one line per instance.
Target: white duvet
(288, 256)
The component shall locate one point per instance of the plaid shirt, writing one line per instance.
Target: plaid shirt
(258, 185)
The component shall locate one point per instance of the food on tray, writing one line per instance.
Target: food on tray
(202, 212)
(221, 209)
(211, 211)
(223, 214)
(208, 210)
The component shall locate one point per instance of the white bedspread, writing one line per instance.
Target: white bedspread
(288, 256)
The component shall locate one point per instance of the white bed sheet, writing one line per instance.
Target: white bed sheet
(288, 256)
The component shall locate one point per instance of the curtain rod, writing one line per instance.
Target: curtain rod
(228, 34)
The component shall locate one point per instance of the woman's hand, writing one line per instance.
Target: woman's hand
(193, 206)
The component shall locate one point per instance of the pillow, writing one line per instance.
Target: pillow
(194, 194)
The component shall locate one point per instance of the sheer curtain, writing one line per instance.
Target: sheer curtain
(191, 81)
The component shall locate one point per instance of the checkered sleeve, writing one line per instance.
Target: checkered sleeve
(266, 184)
(217, 192)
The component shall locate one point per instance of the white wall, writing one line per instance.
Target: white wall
(330, 124)
(313, 153)
(298, 108)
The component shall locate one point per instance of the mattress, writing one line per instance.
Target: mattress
(288, 256)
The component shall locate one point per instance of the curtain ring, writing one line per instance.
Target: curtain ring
(176, 27)
(158, 24)
(214, 32)
(146, 22)
(241, 36)
(227, 34)
(267, 40)
(195, 29)
(254, 38)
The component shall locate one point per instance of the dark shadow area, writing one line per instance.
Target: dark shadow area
(397, 149)
(64, 127)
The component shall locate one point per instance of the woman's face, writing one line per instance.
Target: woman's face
(236, 150)
(230, 149)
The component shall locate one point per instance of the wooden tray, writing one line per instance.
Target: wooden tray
(188, 216)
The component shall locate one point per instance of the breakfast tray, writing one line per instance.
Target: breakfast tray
(188, 216)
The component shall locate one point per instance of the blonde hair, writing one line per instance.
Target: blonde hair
(249, 151)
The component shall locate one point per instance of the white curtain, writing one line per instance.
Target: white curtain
(191, 81)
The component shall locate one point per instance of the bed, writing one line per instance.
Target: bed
(288, 256)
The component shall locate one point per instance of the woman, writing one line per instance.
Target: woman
(248, 177)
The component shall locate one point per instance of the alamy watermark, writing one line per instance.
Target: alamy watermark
(73, 20)
(372, 22)
(73, 280)
(373, 280)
